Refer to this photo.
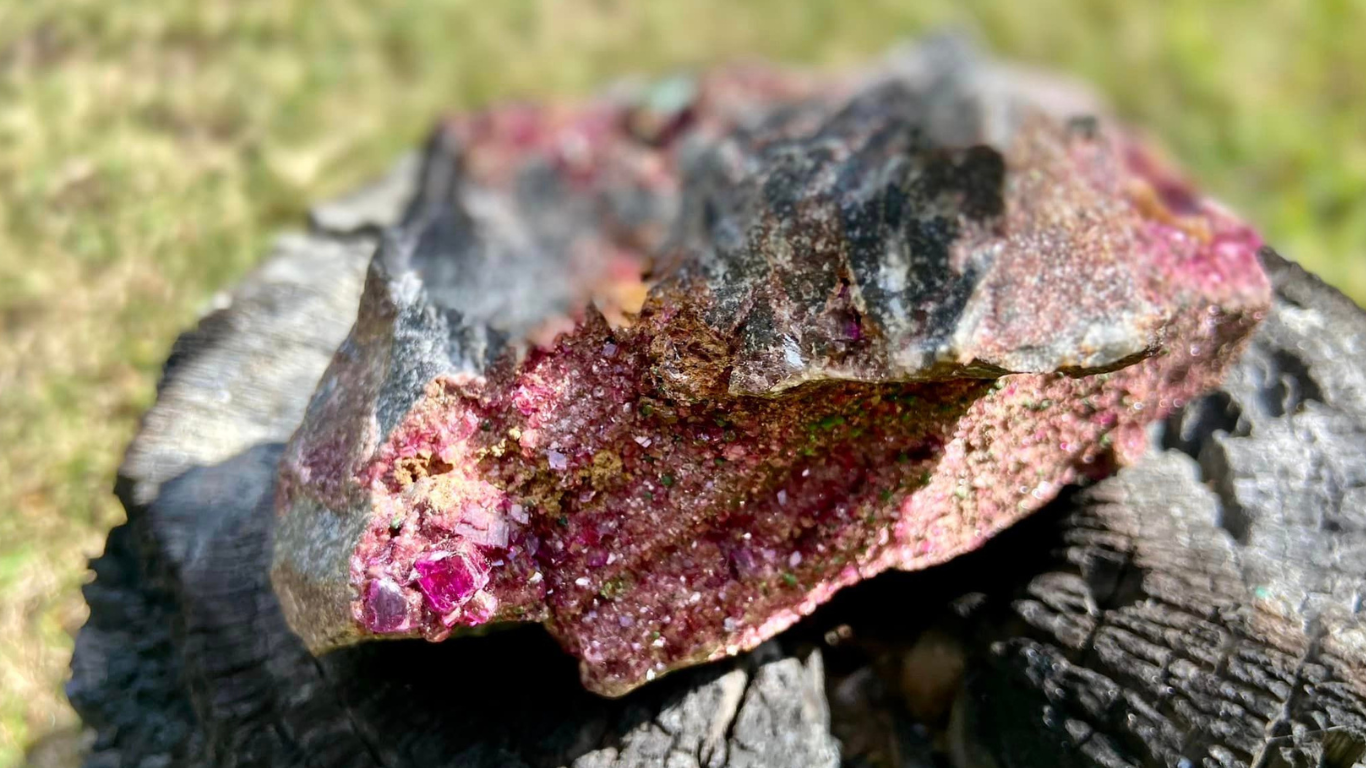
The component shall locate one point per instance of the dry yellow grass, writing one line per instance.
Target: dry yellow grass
(149, 149)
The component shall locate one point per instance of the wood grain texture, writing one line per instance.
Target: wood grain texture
(1201, 608)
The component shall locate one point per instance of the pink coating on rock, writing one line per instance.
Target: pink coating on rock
(715, 529)
(623, 481)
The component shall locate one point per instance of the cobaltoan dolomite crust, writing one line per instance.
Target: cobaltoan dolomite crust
(665, 373)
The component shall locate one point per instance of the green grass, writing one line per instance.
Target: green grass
(148, 150)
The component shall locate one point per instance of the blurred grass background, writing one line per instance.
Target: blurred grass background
(148, 150)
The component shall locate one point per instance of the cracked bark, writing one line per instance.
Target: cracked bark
(1201, 608)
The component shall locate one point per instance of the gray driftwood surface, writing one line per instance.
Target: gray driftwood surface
(1201, 608)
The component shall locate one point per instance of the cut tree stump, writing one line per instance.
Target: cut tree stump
(1203, 607)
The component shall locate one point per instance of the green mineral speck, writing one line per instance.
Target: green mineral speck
(830, 422)
(790, 579)
(671, 94)
(615, 587)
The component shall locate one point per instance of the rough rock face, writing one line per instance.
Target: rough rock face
(665, 371)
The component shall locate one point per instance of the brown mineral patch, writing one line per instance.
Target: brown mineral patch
(606, 470)
(541, 493)
(1150, 204)
(410, 469)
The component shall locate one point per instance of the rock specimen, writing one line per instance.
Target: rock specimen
(665, 371)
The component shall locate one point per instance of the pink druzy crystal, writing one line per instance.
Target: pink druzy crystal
(449, 579)
(386, 607)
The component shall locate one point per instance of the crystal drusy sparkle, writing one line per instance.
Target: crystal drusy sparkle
(665, 371)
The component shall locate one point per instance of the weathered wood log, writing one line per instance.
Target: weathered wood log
(1203, 607)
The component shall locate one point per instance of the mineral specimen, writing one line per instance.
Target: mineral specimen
(665, 371)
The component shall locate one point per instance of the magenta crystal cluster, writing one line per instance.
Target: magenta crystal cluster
(665, 371)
